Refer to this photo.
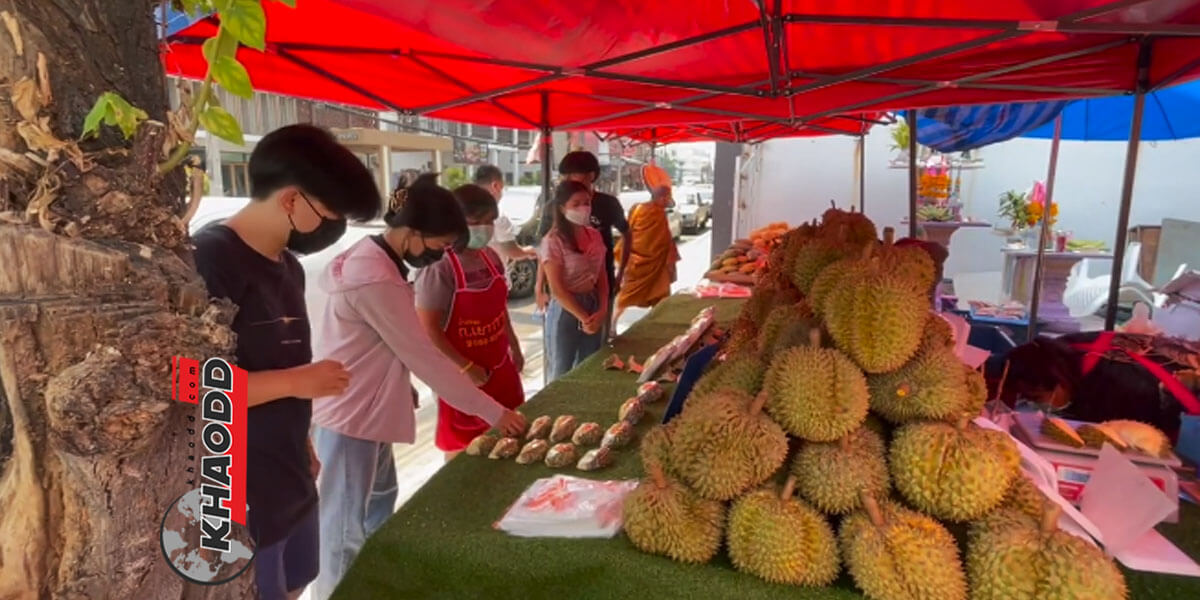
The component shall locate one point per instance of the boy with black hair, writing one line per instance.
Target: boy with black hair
(304, 185)
(607, 214)
(504, 237)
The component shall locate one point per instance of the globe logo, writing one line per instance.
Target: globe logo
(179, 536)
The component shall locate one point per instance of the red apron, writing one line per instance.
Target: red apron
(477, 328)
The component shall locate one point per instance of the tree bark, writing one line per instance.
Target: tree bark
(96, 295)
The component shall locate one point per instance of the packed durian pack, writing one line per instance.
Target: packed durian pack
(836, 435)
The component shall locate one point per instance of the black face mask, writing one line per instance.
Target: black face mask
(424, 259)
(325, 235)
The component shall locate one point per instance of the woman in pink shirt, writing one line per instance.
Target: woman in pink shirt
(572, 255)
(370, 325)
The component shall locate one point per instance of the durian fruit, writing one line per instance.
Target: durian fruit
(933, 385)
(1024, 496)
(938, 333)
(781, 539)
(832, 475)
(816, 393)
(813, 257)
(894, 553)
(655, 450)
(877, 317)
(743, 373)
(1060, 431)
(1143, 437)
(1095, 435)
(911, 263)
(977, 392)
(796, 332)
(1012, 556)
(723, 444)
(955, 472)
(854, 226)
(665, 518)
(780, 326)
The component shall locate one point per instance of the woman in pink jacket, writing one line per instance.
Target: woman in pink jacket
(370, 325)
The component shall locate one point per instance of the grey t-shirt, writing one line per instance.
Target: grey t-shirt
(434, 285)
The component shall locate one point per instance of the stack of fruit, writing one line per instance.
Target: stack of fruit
(746, 258)
(837, 433)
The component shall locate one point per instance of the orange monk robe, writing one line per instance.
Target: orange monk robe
(652, 258)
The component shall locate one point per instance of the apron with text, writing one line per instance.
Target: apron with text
(477, 327)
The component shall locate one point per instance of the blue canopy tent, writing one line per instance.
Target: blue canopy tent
(1155, 114)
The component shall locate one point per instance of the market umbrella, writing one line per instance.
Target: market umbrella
(1156, 114)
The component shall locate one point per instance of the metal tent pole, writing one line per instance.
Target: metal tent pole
(1131, 156)
(911, 117)
(547, 150)
(1044, 235)
(862, 173)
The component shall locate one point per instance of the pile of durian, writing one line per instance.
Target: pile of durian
(836, 434)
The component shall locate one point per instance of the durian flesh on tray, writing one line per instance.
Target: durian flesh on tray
(836, 377)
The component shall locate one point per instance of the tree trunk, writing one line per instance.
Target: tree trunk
(96, 295)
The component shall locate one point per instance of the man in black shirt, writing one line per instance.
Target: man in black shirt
(304, 186)
(607, 214)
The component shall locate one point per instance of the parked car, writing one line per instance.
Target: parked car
(518, 204)
(694, 206)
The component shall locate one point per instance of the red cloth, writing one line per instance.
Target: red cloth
(419, 55)
(477, 328)
(1104, 343)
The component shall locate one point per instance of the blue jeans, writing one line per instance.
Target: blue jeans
(566, 345)
(357, 487)
(285, 567)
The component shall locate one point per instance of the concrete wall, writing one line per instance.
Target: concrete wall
(794, 180)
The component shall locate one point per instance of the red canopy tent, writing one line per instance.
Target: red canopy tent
(626, 64)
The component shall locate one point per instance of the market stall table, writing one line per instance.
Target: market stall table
(1019, 267)
(441, 544)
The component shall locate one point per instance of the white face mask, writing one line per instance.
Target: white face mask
(581, 216)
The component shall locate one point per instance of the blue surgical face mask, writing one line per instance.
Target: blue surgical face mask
(481, 236)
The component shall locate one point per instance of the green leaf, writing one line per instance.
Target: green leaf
(217, 121)
(192, 7)
(232, 76)
(247, 22)
(91, 124)
(209, 49)
(115, 111)
(290, 3)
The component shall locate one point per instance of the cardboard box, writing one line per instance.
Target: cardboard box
(1073, 466)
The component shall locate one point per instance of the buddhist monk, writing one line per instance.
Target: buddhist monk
(650, 270)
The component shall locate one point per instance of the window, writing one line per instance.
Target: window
(234, 174)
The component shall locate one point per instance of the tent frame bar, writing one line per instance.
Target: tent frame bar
(1039, 268)
(1131, 156)
(1070, 24)
(971, 78)
(470, 88)
(1003, 87)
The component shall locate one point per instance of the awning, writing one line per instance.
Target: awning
(630, 64)
(750, 131)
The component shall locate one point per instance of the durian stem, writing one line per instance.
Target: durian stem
(868, 248)
(833, 204)
(1050, 517)
(844, 443)
(872, 507)
(656, 474)
(814, 337)
(757, 406)
(889, 236)
(1000, 385)
(788, 488)
(962, 422)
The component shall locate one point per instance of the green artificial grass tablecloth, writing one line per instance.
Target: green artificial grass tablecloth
(441, 544)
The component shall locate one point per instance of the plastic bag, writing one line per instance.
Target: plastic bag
(567, 507)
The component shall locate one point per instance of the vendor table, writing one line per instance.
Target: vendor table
(441, 544)
(1019, 266)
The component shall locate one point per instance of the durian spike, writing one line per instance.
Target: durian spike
(1050, 517)
(759, 401)
(788, 488)
(889, 236)
(814, 337)
(872, 507)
